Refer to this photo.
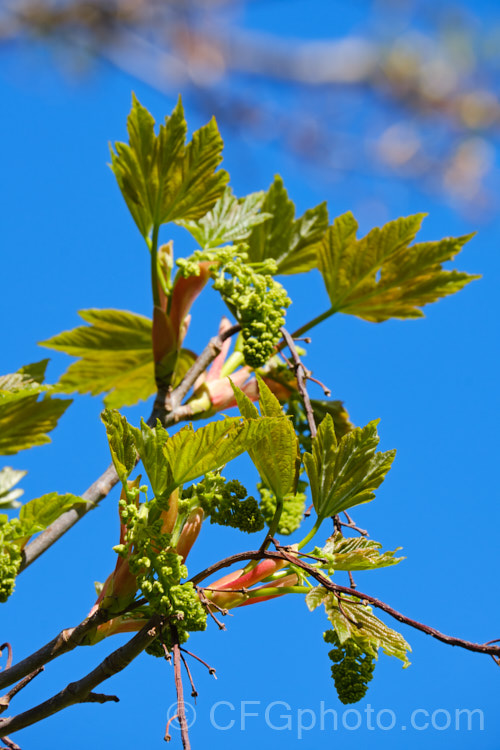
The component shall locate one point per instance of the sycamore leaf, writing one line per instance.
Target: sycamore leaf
(291, 242)
(276, 456)
(357, 553)
(116, 357)
(345, 473)
(191, 453)
(230, 220)
(382, 275)
(39, 513)
(161, 178)
(121, 443)
(25, 421)
(356, 620)
(149, 443)
(8, 479)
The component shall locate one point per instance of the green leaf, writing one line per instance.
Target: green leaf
(355, 620)
(345, 473)
(149, 442)
(247, 408)
(9, 478)
(315, 597)
(269, 404)
(276, 456)
(116, 357)
(291, 242)
(39, 513)
(121, 443)
(231, 220)
(191, 453)
(25, 421)
(383, 276)
(161, 178)
(358, 553)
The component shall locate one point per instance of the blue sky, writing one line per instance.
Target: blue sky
(69, 244)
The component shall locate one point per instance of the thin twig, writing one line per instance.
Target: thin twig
(9, 744)
(482, 648)
(211, 670)
(78, 692)
(194, 692)
(6, 699)
(208, 606)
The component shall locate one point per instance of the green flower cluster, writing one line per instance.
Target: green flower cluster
(257, 301)
(10, 555)
(352, 668)
(226, 503)
(159, 570)
(293, 508)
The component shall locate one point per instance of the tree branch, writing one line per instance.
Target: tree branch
(78, 692)
(280, 554)
(181, 712)
(67, 640)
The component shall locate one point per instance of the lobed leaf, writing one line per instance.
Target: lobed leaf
(345, 473)
(161, 178)
(38, 514)
(291, 242)
(191, 453)
(231, 220)
(382, 275)
(149, 442)
(115, 357)
(25, 421)
(276, 456)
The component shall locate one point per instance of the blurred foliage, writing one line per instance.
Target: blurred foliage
(408, 92)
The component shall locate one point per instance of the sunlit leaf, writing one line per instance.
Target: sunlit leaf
(121, 443)
(24, 420)
(231, 220)
(39, 513)
(291, 242)
(116, 357)
(161, 178)
(149, 442)
(355, 619)
(358, 553)
(345, 473)
(276, 456)
(382, 275)
(191, 453)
